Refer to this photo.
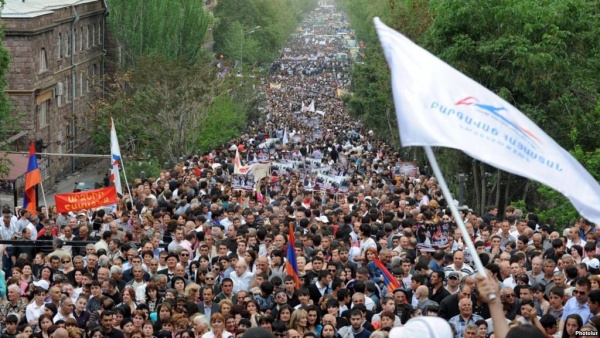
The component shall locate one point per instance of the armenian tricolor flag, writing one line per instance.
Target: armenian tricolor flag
(33, 177)
(291, 266)
(389, 280)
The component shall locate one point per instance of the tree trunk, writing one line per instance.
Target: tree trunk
(498, 181)
(483, 187)
(476, 187)
(507, 190)
(526, 190)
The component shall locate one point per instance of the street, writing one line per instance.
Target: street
(93, 173)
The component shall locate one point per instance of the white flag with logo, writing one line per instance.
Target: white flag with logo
(115, 158)
(436, 105)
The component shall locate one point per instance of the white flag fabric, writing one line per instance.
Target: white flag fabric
(436, 105)
(115, 158)
(237, 162)
(285, 137)
(311, 107)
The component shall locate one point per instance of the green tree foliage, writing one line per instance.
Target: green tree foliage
(159, 109)
(175, 29)
(541, 56)
(277, 20)
(6, 119)
(240, 44)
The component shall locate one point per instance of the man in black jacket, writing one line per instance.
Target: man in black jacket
(449, 306)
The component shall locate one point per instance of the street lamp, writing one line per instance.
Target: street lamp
(244, 33)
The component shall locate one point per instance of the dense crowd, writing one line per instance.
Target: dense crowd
(189, 255)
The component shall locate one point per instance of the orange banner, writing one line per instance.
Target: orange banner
(85, 200)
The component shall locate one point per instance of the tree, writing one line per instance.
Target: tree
(175, 29)
(277, 20)
(541, 56)
(6, 119)
(240, 45)
(159, 107)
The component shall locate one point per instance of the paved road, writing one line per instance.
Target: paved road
(94, 173)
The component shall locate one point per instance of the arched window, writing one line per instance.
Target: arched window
(74, 40)
(94, 34)
(43, 60)
(59, 46)
(81, 38)
(87, 38)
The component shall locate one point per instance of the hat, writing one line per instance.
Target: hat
(368, 198)
(82, 214)
(453, 274)
(593, 263)
(42, 284)
(323, 219)
(71, 214)
(426, 327)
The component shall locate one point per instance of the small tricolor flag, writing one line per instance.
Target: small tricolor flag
(291, 266)
(389, 280)
(115, 158)
(33, 177)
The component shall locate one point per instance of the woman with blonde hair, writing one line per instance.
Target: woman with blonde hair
(192, 292)
(299, 321)
(217, 323)
(225, 306)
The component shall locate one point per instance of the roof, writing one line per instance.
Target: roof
(17, 167)
(20, 9)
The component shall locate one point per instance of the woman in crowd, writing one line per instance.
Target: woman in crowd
(128, 299)
(285, 314)
(572, 325)
(299, 321)
(217, 324)
(153, 298)
(44, 323)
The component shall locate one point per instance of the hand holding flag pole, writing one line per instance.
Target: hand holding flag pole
(461, 225)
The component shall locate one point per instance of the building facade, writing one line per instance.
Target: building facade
(57, 52)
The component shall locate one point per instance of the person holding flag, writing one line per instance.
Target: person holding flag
(291, 265)
(33, 177)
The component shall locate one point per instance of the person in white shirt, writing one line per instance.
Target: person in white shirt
(241, 277)
(36, 308)
(66, 309)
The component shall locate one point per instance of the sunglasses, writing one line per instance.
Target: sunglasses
(65, 262)
(577, 292)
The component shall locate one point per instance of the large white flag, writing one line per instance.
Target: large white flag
(436, 105)
(115, 158)
(285, 137)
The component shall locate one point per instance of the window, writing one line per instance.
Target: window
(81, 84)
(43, 60)
(94, 34)
(95, 74)
(42, 111)
(66, 89)
(81, 38)
(100, 33)
(58, 93)
(59, 46)
(87, 38)
(74, 40)
(68, 44)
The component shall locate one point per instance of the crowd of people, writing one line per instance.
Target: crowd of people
(189, 255)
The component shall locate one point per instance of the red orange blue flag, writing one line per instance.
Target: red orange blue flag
(33, 177)
(291, 266)
(390, 282)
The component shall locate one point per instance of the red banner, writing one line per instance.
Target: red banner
(85, 200)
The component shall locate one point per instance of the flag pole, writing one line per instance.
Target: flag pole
(44, 196)
(465, 235)
(126, 183)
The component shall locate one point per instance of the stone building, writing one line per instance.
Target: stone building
(57, 52)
